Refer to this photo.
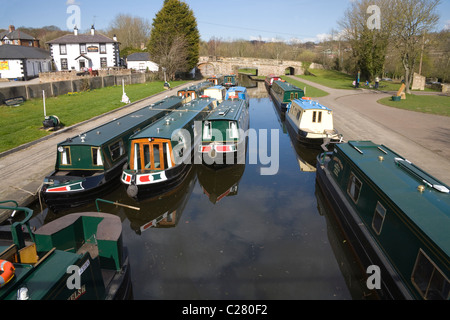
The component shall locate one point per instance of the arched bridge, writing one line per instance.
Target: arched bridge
(209, 66)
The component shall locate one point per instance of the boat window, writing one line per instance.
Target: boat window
(137, 158)
(156, 156)
(96, 157)
(314, 116)
(429, 279)
(378, 217)
(65, 156)
(319, 119)
(298, 114)
(147, 157)
(292, 96)
(166, 151)
(207, 130)
(354, 187)
(117, 150)
(234, 133)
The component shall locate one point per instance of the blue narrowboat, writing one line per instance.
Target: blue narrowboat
(160, 154)
(395, 216)
(238, 92)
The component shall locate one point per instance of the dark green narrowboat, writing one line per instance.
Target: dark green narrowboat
(89, 165)
(224, 134)
(160, 154)
(79, 256)
(395, 216)
(230, 80)
(283, 93)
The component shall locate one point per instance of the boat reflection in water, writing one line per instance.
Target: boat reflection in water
(218, 183)
(163, 211)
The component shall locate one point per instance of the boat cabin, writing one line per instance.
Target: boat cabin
(216, 80)
(237, 93)
(268, 81)
(230, 80)
(284, 92)
(194, 92)
(160, 153)
(397, 214)
(216, 92)
(224, 132)
(311, 121)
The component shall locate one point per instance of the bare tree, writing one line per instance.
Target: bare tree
(171, 55)
(130, 31)
(413, 19)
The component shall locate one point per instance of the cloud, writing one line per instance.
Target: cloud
(447, 25)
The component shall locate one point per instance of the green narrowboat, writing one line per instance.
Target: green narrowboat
(395, 215)
(160, 154)
(216, 80)
(224, 134)
(79, 256)
(89, 165)
(230, 80)
(194, 91)
(283, 93)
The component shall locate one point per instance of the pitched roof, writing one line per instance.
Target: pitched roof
(82, 38)
(139, 56)
(16, 35)
(8, 51)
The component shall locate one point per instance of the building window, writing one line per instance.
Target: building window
(378, 217)
(62, 49)
(64, 65)
(82, 64)
(354, 187)
(83, 48)
(429, 279)
(103, 63)
(102, 47)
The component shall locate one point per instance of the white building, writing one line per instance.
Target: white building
(140, 61)
(83, 51)
(23, 63)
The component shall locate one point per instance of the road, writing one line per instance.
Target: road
(423, 139)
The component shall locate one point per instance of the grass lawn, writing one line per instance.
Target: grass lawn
(422, 103)
(310, 90)
(19, 125)
(330, 78)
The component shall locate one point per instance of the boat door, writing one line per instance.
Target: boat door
(151, 155)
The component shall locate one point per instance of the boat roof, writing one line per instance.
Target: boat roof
(310, 104)
(110, 130)
(227, 110)
(177, 119)
(399, 179)
(197, 86)
(216, 87)
(237, 88)
(286, 86)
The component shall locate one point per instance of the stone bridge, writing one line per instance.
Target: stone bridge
(209, 66)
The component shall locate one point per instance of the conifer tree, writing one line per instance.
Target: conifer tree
(175, 38)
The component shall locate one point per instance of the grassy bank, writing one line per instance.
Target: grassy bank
(310, 91)
(22, 124)
(433, 104)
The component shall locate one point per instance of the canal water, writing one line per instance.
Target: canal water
(237, 234)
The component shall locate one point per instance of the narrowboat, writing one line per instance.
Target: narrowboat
(310, 122)
(79, 256)
(160, 154)
(283, 93)
(216, 92)
(195, 91)
(268, 81)
(395, 215)
(89, 165)
(220, 183)
(216, 80)
(237, 92)
(224, 134)
(230, 80)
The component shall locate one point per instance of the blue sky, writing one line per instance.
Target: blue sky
(305, 20)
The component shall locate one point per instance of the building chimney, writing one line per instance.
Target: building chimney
(92, 30)
(114, 38)
(75, 31)
(11, 28)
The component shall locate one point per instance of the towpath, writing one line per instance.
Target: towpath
(23, 169)
(423, 139)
